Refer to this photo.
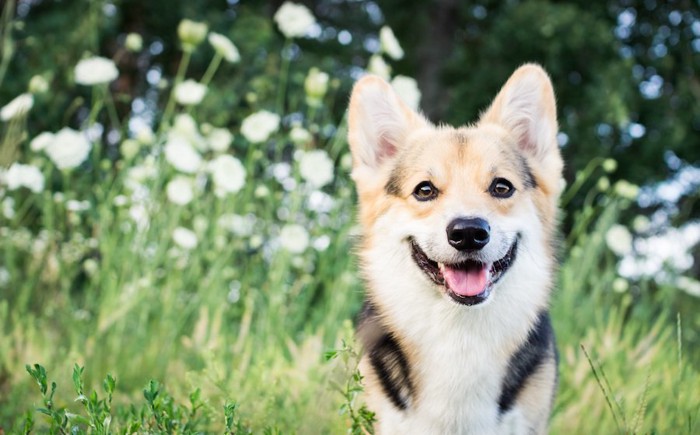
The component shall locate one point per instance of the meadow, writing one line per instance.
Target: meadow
(159, 273)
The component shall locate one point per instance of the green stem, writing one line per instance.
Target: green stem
(111, 108)
(8, 49)
(211, 69)
(170, 107)
(284, 76)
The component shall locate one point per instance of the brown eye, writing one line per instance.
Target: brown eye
(425, 191)
(501, 188)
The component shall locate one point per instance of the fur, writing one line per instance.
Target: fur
(432, 364)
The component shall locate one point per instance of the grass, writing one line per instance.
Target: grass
(108, 325)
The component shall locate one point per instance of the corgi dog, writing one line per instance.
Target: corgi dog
(458, 256)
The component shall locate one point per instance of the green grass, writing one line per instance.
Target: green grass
(108, 326)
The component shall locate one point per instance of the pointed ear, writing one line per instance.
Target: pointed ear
(378, 124)
(525, 107)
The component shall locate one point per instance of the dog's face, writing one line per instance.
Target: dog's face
(461, 205)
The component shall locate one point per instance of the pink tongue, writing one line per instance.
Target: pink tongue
(470, 282)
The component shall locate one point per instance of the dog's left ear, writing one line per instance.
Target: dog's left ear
(526, 107)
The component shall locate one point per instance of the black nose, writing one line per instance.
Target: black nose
(468, 234)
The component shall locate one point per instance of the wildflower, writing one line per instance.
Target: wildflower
(228, 174)
(180, 154)
(294, 20)
(179, 190)
(224, 47)
(627, 190)
(299, 135)
(322, 243)
(389, 44)
(259, 126)
(219, 139)
(689, 285)
(185, 238)
(28, 176)
(191, 33)
(641, 224)
(261, 191)
(407, 88)
(189, 92)
(619, 240)
(95, 71)
(377, 66)
(129, 148)
(620, 285)
(316, 168)
(241, 226)
(609, 165)
(603, 184)
(19, 106)
(294, 238)
(41, 141)
(38, 85)
(68, 149)
(316, 86)
(133, 42)
(144, 134)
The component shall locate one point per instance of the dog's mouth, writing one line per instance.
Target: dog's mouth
(469, 282)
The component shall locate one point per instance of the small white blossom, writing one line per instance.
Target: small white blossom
(19, 106)
(389, 44)
(28, 176)
(68, 149)
(191, 33)
(95, 71)
(294, 20)
(259, 126)
(180, 154)
(190, 93)
(224, 47)
(228, 174)
(316, 86)
(185, 238)
(619, 240)
(300, 135)
(689, 285)
(38, 85)
(407, 88)
(41, 141)
(377, 66)
(241, 226)
(316, 168)
(180, 190)
(133, 42)
(219, 139)
(294, 238)
(322, 243)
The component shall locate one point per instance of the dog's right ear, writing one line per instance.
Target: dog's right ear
(378, 124)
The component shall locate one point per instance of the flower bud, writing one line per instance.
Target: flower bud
(191, 33)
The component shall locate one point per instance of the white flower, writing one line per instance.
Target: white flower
(407, 88)
(316, 168)
(228, 174)
(689, 285)
(300, 135)
(377, 66)
(19, 106)
(224, 47)
(180, 154)
(190, 93)
(389, 44)
(95, 71)
(38, 85)
(185, 238)
(619, 240)
(191, 33)
(294, 20)
(260, 125)
(219, 139)
(133, 42)
(294, 238)
(316, 84)
(241, 226)
(179, 190)
(28, 176)
(68, 149)
(41, 141)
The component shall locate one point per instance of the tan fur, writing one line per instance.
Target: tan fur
(394, 149)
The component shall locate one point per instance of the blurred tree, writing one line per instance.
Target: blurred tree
(624, 70)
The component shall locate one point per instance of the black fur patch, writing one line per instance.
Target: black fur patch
(528, 178)
(387, 358)
(525, 361)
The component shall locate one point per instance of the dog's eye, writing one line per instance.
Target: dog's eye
(425, 191)
(501, 188)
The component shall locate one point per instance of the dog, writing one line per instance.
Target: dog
(457, 251)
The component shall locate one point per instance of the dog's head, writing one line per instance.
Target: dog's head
(462, 205)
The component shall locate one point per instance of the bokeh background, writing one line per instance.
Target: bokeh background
(177, 218)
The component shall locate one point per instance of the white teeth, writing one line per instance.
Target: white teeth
(441, 266)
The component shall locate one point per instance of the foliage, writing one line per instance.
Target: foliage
(204, 246)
